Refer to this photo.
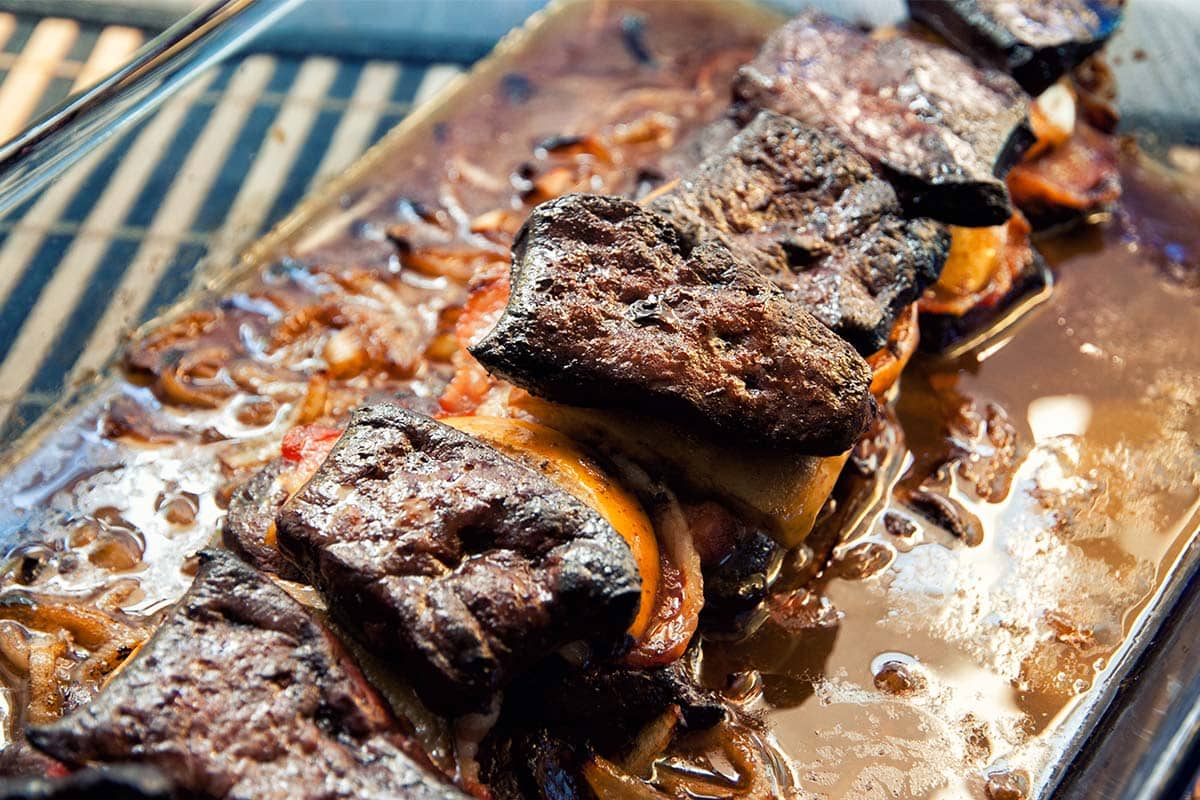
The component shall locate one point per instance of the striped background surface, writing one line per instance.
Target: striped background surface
(118, 237)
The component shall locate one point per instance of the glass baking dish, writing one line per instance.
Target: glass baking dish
(1133, 736)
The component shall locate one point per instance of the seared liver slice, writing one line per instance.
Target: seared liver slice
(812, 216)
(242, 694)
(463, 565)
(612, 307)
(252, 510)
(943, 131)
(1035, 41)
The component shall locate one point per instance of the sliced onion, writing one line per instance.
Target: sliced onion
(344, 354)
(1053, 115)
(680, 595)
(45, 699)
(87, 626)
(652, 742)
(195, 379)
(610, 782)
(315, 400)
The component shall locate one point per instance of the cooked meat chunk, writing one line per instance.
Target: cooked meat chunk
(943, 131)
(695, 148)
(1035, 41)
(125, 782)
(462, 564)
(249, 527)
(241, 694)
(734, 589)
(612, 307)
(813, 217)
(607, 704)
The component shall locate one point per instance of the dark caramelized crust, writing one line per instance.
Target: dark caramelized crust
(611, 307)
(813, 217)
(462, 564)
(125, 782)
(248, 526)
(241, 694)
(1035, 41)
(942, 130)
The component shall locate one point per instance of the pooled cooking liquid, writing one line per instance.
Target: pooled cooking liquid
(990, 546)
(943, 650)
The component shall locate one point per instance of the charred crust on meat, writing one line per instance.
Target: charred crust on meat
(611, 306)
(251, 515)
(1035, 41)
(534, 763)
(813, 217)
(238, 660)
(943, 131)
(736, 588)
(124, 782)
(461, 564)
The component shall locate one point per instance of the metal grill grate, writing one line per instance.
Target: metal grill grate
(117, 238)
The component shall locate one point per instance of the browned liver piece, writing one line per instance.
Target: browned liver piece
(612, 307)
(242, 694)
(943, 131)
(812, 216)
(462, 565)
(1035, 41)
